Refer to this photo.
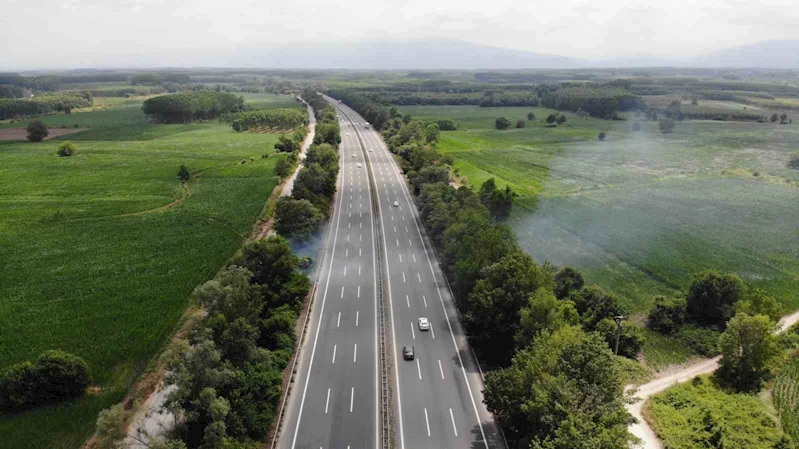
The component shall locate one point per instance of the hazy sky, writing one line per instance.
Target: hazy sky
(84, 33)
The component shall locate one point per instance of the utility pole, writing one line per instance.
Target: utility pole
(618, 319)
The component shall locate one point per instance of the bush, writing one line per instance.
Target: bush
(668, 314)
(749, 349)
(66, 149)
(711, 298)
(297, 218)
(502, 123)
(37, 131)
(552, 118)
(561, 119)
(602, 136)
(631, 338)
(283, 167)
(702, 340)
(794, 162)
(184, 174)
(666, 125)
(521, 123)
(568, 280)
(531, 116)
(56, 376)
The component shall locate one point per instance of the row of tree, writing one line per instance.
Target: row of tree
(191, 106)
(44, 104)
(228, 374)
(280, 118)
(598, 101)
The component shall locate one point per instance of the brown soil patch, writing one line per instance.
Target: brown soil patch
(22, 134)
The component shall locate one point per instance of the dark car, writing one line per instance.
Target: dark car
(407, 352)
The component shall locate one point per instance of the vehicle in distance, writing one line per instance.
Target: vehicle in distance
(424, 324)
(359, 165)
(367, 126)
(396, 203)
(371, 150)
(407, 352)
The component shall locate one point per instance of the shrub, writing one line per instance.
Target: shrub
(55, 376)
(636, 126)
(297, 218)
(37, 131)
(631, 338)
(567, 280)
(666, 125)
(601, 136)
(531, 116)
(283, 167)
(502, 123)
(702, 340)
(749, 348)
(184, 174)
(794, 162)
(521, 123)
(561, 119)
(66, 149)
(668, 314)
(711, 297)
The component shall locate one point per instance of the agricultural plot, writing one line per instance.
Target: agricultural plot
(642, 211)
(102, 249)
(786, 398)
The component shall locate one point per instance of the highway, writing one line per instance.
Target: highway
(334, 401)
(438, 396)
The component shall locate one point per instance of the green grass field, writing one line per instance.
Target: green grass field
(642, 211)
(95, 264)
(786, 398)
(687, 417)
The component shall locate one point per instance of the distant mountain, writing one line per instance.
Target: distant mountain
(388, 55)
(782, 54)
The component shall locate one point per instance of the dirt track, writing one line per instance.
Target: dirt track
(22, 134)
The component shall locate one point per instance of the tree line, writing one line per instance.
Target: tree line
(44, 104)
(299, 216)
(228, 373)
(599, 101)
(281, 118)
(546, 334)
(191, 106)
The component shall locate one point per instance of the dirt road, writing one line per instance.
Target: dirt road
(642, 429)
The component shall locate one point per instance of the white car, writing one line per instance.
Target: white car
(353, 154)
(396, 203)
(371, 150)
(359, 165)
(424, 324)
(348, 134)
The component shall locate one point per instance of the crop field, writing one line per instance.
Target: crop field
(688, 415)
(642, 211)
(786, 398)
(102, 249)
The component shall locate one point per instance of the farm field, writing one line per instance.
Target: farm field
(786, 397)
(642, 211)
(102, 249)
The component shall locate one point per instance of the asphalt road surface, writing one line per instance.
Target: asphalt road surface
(437, 396)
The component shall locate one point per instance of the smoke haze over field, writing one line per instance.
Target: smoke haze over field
(38, 34)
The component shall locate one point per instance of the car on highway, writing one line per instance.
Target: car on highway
(424, 324)
(396, 203)
(359, 165)
(407, 352)
(371, 150)
(366, 126)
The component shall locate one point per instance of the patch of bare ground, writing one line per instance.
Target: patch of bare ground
(22, 133)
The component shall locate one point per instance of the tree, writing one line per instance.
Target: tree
(774, 117)
(53, 377)
(561, 119)
(552, 118)
(631, 338)
(711, 296)
(37, 131)
(601, 136)
(184, 174)
(794, 162)
(502, 123)
(783, 118)
(543, 312)
(231, 295)
(431, 133)
(521, 123)
(668, 315)
(759, 303)
(274, 266)
(67, 149)
(568, 280)
(748, 348)
(286, 144)
(636, 126)
(531, 116)
(499, 202)
(594, 304)
(666, 125)
(298, 219)
(283, 167)
(562, 392)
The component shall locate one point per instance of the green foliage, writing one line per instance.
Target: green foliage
(44, 104)
(757, 302)
(531, 115)
(10, 91)
(561, 119)
(67, 149)
(149, 79)
(543, 313)
(631, 338)
(184, 174)
(794, 162)
(502, 123)
(698, 415)
(191, 106)
(287, 118)
(431, 133)
(37, 131)
(666, 125)
(786, 397)
(595, 304)
(668, 314)
(599, 101)
(316, 181)
(551, 118)
(602, 136)
(297, 219)
(286, 144)
(711, 297)
(749, 348)
(520, 124)
(563, 391)
(55, 376)
(568, 280)
(498, 202)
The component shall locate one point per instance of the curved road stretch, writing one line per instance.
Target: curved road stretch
(438, 400)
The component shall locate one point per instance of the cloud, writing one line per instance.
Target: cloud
(73, 33)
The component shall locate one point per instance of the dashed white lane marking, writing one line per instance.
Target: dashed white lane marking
(352, 398)
(355, 354)
(357, 316)
(345, 270)
(426, 422)
(400, 257)
(414, 257)
(413, 333)
(410, 242)
(408, 300)
(359, 252)
(395, 229)
(347, 252)
(348, 237)
(359, 270)
(403, 277)
(334, 353)
(397, 242)
(359, 291)
(452, 417)
(342, 292)
(424, 298)
(338, 321)
(406, 229)
(441, 370)
(420, 277)
(432, 331)
(418, 369)
(327, 403)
